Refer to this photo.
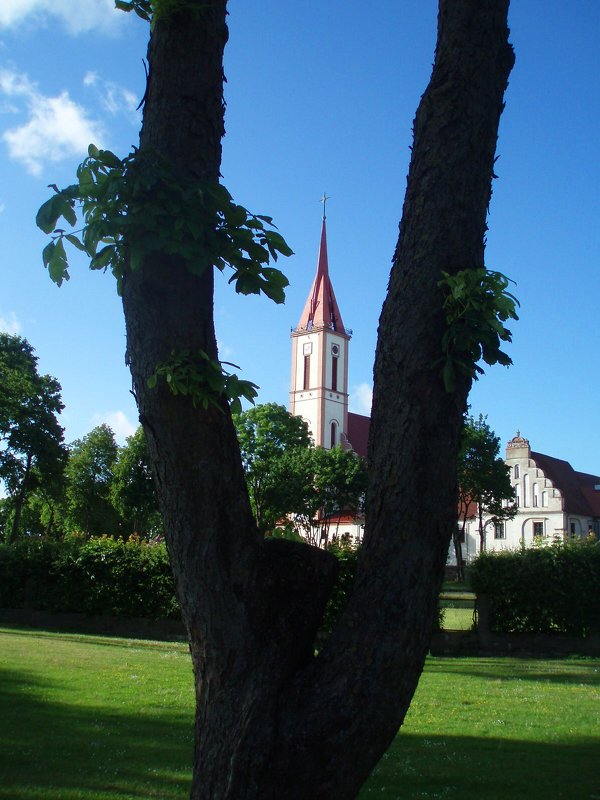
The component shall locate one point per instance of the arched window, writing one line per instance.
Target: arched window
(333, 434)
(536, 498)
(544, 499)
(516, 471)
(518, 494)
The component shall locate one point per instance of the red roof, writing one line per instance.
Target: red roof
(321, 309)
(358, 433)
(577, 487)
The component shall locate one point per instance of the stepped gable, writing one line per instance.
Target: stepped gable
(577, 487)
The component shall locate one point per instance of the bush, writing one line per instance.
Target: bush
(347, 555)
(100, 576)
(541, 590)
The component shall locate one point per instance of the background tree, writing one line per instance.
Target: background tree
(273, 718)
(32, 452)
(274, 446)
(132, 490)
(340, 479)
(89, 474)
(483, 477)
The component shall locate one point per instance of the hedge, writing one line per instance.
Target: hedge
(97, 577)
(542, 589)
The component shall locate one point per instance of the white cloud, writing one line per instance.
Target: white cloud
(118, 421)
(57, 126)
(10, 324)
(361, 398)
(115, 99)
(77, 16)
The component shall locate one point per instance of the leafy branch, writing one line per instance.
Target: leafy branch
(142, 206)
(203, 380)
(476, 304)
(151, 10)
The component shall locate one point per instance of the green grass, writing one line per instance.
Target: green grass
(458, 619)
(93, 718)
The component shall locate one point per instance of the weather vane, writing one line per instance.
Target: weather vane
(324, 200)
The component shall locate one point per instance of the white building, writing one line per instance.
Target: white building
(554, 501)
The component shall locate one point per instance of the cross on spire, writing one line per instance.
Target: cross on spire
(324, 200)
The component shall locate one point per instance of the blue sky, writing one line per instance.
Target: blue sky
(320, 97)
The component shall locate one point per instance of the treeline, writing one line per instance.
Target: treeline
(96, 488)
(93, 487)
(90, 487)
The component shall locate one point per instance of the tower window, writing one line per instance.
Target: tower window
(306, 381)
(334, 374)
(516, 472)
(333, 434)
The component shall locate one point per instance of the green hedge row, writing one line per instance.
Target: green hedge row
(100, 576)
(541, 590)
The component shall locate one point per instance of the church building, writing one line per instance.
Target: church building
(553, 500)
(319, 385)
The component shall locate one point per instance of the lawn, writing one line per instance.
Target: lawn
(92, 718)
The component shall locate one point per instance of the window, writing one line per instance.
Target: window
(517, 494)
(544, 499)
(538, 530)
(573, 530)
(499, 532)
(536, 498)
(333, 434)
(306, 381)
(516, 471)
(334, 377)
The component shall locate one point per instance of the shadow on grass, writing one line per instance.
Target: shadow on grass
(561, 671)
(469, 768)
(57, 751)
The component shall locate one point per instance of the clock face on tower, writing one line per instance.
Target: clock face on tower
(307, 348)
(335, 349)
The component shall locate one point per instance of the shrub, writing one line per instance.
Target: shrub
(347, 555)
(541, 590)
(100, 576)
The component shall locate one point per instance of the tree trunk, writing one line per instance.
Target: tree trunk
(20, 500)
(273, 720)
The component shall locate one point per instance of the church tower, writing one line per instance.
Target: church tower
(319, 387)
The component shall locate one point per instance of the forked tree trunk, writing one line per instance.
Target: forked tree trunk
(274, 721)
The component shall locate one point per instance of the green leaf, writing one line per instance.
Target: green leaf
(58, 264)
(70, 237)
(48, 214)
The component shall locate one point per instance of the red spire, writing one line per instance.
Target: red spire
(321, 309)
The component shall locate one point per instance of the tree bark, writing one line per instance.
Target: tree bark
(20, 500)
(272, 719)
